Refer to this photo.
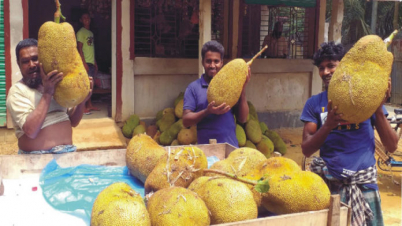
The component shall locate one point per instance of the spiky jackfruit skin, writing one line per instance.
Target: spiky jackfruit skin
(227, 84)
(360, 81)
(198, 183)
(239, 162)
(166, 121)
(130, 124)
(119, 199)
(253, 131)
(240, 135)
(294, 192)
(279, 144)
(57, 50)
(177, 206)
(179, 167)
(142, 155)
(228, 200)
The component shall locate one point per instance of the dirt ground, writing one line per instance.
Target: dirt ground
(389, 183)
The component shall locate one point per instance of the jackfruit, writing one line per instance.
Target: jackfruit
(166, 121)
(186, 137)
(178, 110)
(263, 127)
(130, 124)
(142, 155)
(360, 81)
(156, 137)
(253, 131)
(240, 135)
(239, 162)
(265, 146)
(198, 183)
(159, 115)
(57, 50)
(140, 129)
(179, 98)
(250, 144)
(296, 191)
(228, 200)
(177, 206)
(151, 130)
(168, 110)
(170, 134)
(179, 167)
(251, 111)
(279, 144)
(119, 199)
(175, 142)
(227, 84)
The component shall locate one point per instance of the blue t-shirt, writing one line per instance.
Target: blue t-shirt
(349, 147)
(219, 127)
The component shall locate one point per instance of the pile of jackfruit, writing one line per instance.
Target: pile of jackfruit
(168, 129)
(255, 134)
(181, 190)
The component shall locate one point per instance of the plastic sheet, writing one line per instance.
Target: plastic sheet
(74, 189)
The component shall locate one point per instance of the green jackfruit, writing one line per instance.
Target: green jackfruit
(250, 144)
(178, 98)
(253, 131)
(265, 146)
(251, 111)
(279, 145)
(170, 134)
(166, 121)
(130, 124)
(240, 135)
(159, 115)
(140, 129)
(263, 127)
(360, 81)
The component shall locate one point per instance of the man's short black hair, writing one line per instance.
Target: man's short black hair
(23, 44)
(212, 46)
(328, 51)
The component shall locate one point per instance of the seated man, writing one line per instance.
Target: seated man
(41, 125)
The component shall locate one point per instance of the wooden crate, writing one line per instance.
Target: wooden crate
(21, 166)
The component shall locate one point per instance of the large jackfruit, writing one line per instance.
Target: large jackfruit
(186, 136)
(265, 146)
(179, 167)
(57, 50)
(170, 134)
(240, 135)
(360, 81)
(253, 131)
(227, 84)
(142, 155)
(166, 121)
(119, 199)
(279, 144)
(130, 124)
(177, 206)
(178, 110)
(252, 112)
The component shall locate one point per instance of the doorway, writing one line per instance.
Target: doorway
(41, 11)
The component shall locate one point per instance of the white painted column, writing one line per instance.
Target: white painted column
(113, 71)
(204, 29)
(335, 26)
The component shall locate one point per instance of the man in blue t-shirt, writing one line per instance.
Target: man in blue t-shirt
(347, 160)
(213, 122)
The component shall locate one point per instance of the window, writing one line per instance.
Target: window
(289, 32)
(170, 28)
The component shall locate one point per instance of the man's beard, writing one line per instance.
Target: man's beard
(32, 82)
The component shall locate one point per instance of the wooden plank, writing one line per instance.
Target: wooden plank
(334, 211)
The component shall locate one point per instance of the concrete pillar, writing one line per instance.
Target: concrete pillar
(335, 26)
(204, 29)
(374, 16)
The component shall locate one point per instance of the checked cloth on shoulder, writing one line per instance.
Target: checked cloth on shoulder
(354, 196)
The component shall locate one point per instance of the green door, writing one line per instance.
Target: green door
(3, 112)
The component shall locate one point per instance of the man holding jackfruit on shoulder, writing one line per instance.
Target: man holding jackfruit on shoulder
(346, 162)
(41, 125)
(213, 122)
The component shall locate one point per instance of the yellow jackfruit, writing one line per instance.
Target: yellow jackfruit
(57, 50)
(186, 137)
(119, 199)
(360, 81)
(178, 98)
(227, 84)
(253, 131)
(228, 200)
(178, 110)
(240, 135)
(142, 155)
(177, 206)
(179, 167)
